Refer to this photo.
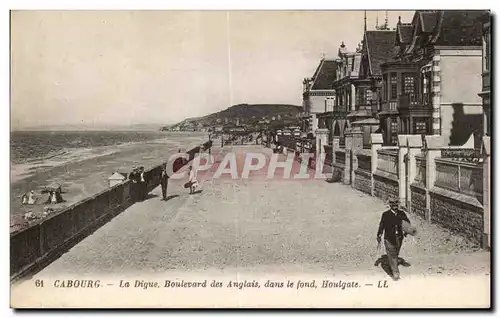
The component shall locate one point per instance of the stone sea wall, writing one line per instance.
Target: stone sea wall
(34, 247)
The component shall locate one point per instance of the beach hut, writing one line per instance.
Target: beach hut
(116, 178)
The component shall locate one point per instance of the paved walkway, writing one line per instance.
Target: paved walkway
(260, 226)
(253, 223)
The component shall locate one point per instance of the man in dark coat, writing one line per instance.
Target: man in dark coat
(164, 182)
(391, 226)
(134, 176)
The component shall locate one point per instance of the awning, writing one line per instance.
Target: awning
(360, 113)
(388, 112)
(368, 121)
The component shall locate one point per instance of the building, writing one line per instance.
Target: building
(318, 94)
(428, 87)
(485, 92)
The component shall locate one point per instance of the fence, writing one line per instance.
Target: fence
(387, 162)
(362, 179)
(34, 247)
(460, 177)
(420, 178)
(364, 162)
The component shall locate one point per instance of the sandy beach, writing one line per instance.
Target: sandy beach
(83, 172)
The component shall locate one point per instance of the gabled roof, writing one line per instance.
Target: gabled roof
(460, 28)
(405, 33)
(325, 75)
(380, 48)
(428, 21)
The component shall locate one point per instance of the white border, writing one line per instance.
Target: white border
(180, 5)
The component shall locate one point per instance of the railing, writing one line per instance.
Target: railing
(340, 157)
(460, 177)
(413, 100)
(365, 162)
(421, 164)
(387, 161)
(462, 154)
(408, 100)
(390, 105)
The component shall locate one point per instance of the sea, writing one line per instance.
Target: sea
(27, 146)
(37, 151)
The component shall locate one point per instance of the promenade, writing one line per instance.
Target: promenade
(255, 226)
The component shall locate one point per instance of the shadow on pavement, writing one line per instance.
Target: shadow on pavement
(149, 196)
(170, 197)
(383, 261)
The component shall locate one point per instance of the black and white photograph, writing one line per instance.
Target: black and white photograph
(250, 159)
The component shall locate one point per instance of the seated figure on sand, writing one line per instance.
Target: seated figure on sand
(29, 198)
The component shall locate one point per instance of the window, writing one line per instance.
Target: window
(360, 96)
(329, 102)
(409, 84)
(394, 133)
(385, 87)
(394, 85)
(369, 96)
(420, 127)
(487, 49)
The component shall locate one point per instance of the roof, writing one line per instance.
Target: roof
(405, 33)
(461, 28)
(325, 75)
(428, 21)
(380, 47)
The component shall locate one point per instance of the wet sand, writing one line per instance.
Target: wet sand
(84, 173)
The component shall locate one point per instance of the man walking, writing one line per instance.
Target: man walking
(391, 226)
(164, 182)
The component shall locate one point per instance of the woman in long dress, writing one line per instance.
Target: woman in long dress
(31, 197)
(193, 183)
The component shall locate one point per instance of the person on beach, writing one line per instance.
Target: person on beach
(52, 199)
(32, 198)
(193, 183)
(391, 225)
(143, 190)
(24, 199)
(164, 182)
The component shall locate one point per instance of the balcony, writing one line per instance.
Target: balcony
(413, 101)
(389, 107)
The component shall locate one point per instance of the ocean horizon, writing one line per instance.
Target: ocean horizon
(35, 145)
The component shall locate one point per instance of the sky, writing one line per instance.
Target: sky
(139, 67)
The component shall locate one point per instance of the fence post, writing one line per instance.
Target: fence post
(432, 146)
(414, 143)
(486, 192)
(376, 141)
(402, 151)
(348, 154)
(356, 147)
(321, 140)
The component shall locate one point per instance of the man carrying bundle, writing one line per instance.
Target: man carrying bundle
(395, 225)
